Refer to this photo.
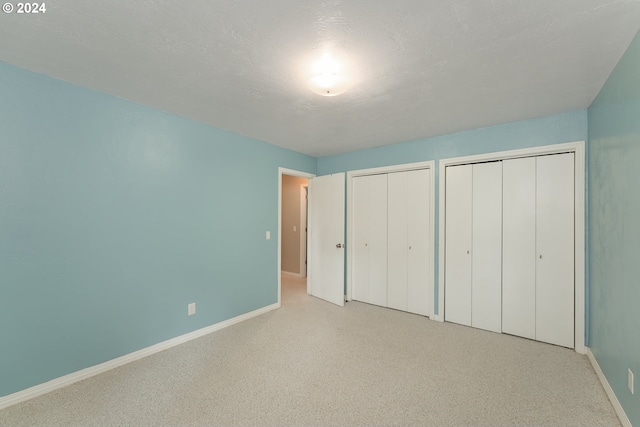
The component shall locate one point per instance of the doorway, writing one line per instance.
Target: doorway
(293, 222)
(292, 229)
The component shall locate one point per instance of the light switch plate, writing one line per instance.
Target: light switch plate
(191, 309)
(268, 235)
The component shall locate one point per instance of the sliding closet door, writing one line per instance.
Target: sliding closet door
(419, 240)
(398, 240)
(370, 239)
(519, 247)
(486, 272)
(555, 250)
(458, 231)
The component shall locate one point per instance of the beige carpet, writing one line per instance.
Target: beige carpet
(313, 363)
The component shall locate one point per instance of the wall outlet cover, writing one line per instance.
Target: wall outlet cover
(191, 309)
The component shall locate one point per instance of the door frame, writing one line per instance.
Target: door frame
(350, 237)
(578, 148)
(291, 172)
(304, 192)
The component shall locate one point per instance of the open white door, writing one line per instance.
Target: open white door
(326, 238)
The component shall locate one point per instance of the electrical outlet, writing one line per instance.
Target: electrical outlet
(191, 309)
(268, 235)
(630, 380)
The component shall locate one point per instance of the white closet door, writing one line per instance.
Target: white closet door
(519, 247)
(361, 238)
(378, 239)
(398, 241)
(555, 250)
(486, 288)
(408, 244)
(370, 239)
(458, 223)
(419, 240)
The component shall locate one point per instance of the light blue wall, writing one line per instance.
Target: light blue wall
(614, 212)
(115, 216)
(567, 127)
(561, 128)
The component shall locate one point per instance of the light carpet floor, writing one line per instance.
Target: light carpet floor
(313, 363)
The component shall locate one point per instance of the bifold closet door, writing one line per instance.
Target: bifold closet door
(555, 249)
(398, 241)
(486, 252)
(419, 239)
(458, 233)
(360, 238)
(538, 248)
(370, 239)
(519, 247)
(408, 241)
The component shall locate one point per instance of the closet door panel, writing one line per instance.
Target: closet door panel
(519, 247)
(419, 267)
(458, 223)
(361, 238)
(378, 240)
(486, 288)
(555, 250)
(398, 241)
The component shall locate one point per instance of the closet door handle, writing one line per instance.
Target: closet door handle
(339, 245)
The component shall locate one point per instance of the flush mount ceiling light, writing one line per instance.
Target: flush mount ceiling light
(328, 77)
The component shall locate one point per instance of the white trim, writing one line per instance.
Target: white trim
(290, 273)
(624, 420)
(302, 230)
(383, 170)
(74, 377)
(392, 168)
(579, 149)
(432, 237)
(292, 172)
(514, 154)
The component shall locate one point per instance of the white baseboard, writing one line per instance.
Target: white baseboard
(607, 388)
(92, 371)
(288, 273)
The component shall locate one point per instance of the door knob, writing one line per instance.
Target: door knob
(339, 245)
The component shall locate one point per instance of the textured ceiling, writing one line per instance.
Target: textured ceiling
(418, 68)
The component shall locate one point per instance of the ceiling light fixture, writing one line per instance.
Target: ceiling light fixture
(328, 78)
